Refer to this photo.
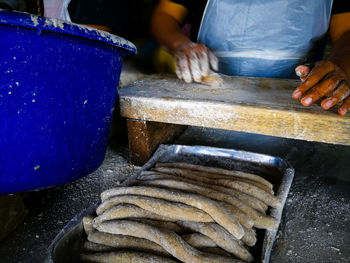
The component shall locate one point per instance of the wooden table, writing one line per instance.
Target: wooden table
(159, 107)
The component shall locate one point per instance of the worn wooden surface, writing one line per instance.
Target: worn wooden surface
(145, 137)
(254, 105)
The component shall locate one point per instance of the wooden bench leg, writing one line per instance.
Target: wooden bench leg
(145, 137)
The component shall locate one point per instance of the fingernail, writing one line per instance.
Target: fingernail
(342, 111)
(328, 104)
(306, 101)
(298, 73)
(297, 94)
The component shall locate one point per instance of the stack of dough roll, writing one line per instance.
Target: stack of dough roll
(179, 212)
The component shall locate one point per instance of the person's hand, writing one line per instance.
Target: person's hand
(193, 61)
(325, 81)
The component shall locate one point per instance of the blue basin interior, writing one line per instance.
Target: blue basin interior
(58, 85)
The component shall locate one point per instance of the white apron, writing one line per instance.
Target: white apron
(263, 38)
(57, 9)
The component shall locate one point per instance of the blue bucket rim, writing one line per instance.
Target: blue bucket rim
(20, 19)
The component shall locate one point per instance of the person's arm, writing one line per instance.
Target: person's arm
(8, 4)
(5, 6)
(192, 60)
(330, 78)
(166, 25)
(100, 27)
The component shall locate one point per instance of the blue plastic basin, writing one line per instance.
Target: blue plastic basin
(58, 85)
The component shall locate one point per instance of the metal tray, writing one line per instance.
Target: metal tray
(67, 245)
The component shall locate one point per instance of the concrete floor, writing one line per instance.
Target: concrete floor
(315, 222)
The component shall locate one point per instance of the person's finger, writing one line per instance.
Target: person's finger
(345, 107)
(177, 68)
(302, 71)
(184, 68)
(339, 95)
(213, 60)
(178, 73)
(317, 73)
(195, 68)
(204, 63)
(327, 85)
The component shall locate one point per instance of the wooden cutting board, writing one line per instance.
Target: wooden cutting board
(253, 105)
